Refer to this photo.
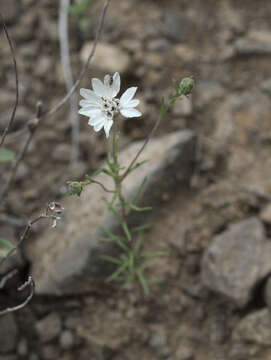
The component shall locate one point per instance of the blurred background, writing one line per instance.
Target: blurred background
(213, 293)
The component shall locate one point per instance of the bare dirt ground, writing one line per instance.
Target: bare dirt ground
(230, 112)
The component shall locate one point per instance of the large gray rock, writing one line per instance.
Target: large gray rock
(49, 327)
(255, 328)
(257, 42)
(67, 259)
(237, 260)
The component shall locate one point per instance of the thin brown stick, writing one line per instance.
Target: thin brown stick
(102, 186)
(6, 130)
(52, 211)
(55, 108)
(29, 283)
(8, 276)
(63, 29)
(32, 126)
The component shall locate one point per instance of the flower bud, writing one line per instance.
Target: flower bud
(186, 86)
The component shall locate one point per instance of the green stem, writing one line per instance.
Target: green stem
(117, 177)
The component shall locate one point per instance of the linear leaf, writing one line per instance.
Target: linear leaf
(143, 282)
(6, 155)
(119, 270)
(111, 259)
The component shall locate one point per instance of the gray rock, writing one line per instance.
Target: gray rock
(159, 45)
(67, 340)
(176, 27)
(158, 338)
(254, 328)
(183, 107)
(184, 352)
(8, 333)
(62, 152)
(237, 260)
(266, 86)
(49, 327)
(267, 293)
(257, 42)
(50, 352)
(265, 214)
(67, 260)
(208, 91)
(107, 57)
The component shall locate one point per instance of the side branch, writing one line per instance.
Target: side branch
(29, 283)
(157, 123)
(32, 126)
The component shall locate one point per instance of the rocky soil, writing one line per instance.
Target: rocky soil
(212, 294)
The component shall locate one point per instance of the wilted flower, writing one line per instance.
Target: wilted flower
(101, 104)
(54, 209)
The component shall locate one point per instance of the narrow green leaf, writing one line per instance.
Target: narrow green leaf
(139, 190)
(143, 282)
(119, 270)
(176, 86)
(137, 165)
(126, 230)
(139, 209)
(162, 108)
(6, 155)
(131, 261)
(114, 238)
(5, 247)
(110, 163)
(172, 101)
(143, 227)
(111, 259)
(138, 244)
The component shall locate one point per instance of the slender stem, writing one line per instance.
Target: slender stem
(32, 126)
(117, 178)
(157, 123)
(66, 64)
(29, 283)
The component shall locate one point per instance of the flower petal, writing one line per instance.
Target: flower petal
(98, 127)
(107, 127)
(116, 84)
(90, 96)
(87, 112)
(89, 103)
(130, 112)
(127, 95)
(99, 88)
(96, 120)
(132, 103)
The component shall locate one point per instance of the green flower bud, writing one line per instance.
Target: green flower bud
(186, 86)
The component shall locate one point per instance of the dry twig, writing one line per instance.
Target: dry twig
(66, 65)
(55, 108)
(32, 126)
(6, 130)
(29, 283)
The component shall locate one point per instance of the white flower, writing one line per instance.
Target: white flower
(101, 104)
